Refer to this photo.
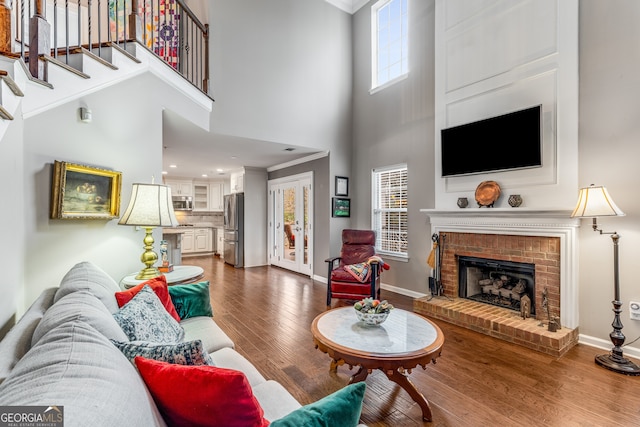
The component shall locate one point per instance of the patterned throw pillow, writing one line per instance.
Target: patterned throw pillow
(184, 353)
(145, 319)
(157, 285)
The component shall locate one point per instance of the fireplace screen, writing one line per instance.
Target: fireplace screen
(496, 282)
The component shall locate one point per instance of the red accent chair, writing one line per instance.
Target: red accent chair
(357, 246)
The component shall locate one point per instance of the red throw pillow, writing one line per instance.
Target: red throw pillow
(201, 395)
(159, 286)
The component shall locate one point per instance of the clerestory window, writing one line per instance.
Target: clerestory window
(390, 42)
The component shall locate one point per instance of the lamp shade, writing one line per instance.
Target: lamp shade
(594, 201)
(150, 206)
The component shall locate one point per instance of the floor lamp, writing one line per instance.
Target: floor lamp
(594, 202)
(150, 206)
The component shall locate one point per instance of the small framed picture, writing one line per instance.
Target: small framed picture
(342, 186)
(341, 207)
(84, 192)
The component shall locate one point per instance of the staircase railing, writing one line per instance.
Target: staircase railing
(38, 30)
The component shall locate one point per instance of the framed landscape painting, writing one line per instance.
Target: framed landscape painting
(84, 192)
(341, 207)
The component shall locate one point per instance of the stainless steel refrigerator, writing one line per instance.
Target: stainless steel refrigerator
(234, 229)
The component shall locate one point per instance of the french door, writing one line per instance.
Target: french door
(290, 219)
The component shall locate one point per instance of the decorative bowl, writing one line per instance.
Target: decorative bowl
(371, 318)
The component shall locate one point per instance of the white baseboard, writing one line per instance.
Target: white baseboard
(606, 345)
(402, 291)
(320, 278)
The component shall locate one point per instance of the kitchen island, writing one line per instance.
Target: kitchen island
(191, 239)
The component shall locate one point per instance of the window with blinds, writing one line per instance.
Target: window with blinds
(389, 216)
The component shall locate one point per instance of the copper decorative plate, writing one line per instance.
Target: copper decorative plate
(487, 193)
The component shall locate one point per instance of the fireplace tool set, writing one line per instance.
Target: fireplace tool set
(435, 262)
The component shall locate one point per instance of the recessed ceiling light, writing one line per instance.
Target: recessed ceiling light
(204, 175)
(164, 172)
(173, 166)
(219, 170)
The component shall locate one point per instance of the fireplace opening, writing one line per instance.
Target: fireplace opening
(496, 282)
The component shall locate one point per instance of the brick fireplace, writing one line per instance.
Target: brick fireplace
(546, 239)
(542, 251)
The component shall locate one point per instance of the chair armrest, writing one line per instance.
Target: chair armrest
(331, 264)
(333, 259)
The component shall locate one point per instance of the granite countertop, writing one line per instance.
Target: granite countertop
(183, 228)
(174, 230)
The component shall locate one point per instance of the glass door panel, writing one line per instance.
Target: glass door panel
(290, 227)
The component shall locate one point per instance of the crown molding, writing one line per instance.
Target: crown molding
(349, 6)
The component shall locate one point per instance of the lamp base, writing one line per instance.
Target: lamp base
(148, 273)
(620, 365)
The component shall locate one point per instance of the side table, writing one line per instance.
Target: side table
(180, 274)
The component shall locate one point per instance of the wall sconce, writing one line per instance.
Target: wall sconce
(594, 202)
(85, 115)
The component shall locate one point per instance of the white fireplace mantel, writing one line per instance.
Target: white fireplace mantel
(525, 222)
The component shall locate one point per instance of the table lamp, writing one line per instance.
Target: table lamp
(150, 206)
(593, 202)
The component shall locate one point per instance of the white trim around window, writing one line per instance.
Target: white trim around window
(389, 43)
(389, 213)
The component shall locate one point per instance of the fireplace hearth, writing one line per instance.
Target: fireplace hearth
(496, 282)
(545, 238)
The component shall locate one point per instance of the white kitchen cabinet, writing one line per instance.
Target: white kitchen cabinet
(237, 182)
(208, 196)
(188, 245)
(202, 240)
(180, 187)
(201, 201)
(197, 240)
(216, 196)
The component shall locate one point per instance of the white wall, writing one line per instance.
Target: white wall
(12, 220)
(125, 135)
(497, 57)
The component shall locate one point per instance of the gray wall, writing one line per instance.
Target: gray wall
(321, 206)
(282, 72)
(396, 125)
(608, 155)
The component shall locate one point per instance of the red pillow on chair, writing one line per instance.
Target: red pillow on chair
(159, 286)
(201, 395)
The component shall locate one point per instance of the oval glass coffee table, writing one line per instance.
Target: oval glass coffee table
(405, 340)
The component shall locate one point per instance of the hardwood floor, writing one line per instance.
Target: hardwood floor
(478, 380)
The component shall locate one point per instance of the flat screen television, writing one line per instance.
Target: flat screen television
(509, 141)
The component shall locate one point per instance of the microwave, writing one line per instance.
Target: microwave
(182, 203)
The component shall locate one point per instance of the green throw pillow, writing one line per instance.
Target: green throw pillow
(339, 409)
(191, 300)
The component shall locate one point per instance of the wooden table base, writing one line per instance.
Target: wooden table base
(406, 341)
(397, 377)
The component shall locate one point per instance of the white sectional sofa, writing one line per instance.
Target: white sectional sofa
(60, 353)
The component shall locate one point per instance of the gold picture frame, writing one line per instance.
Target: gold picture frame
(84, 192)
